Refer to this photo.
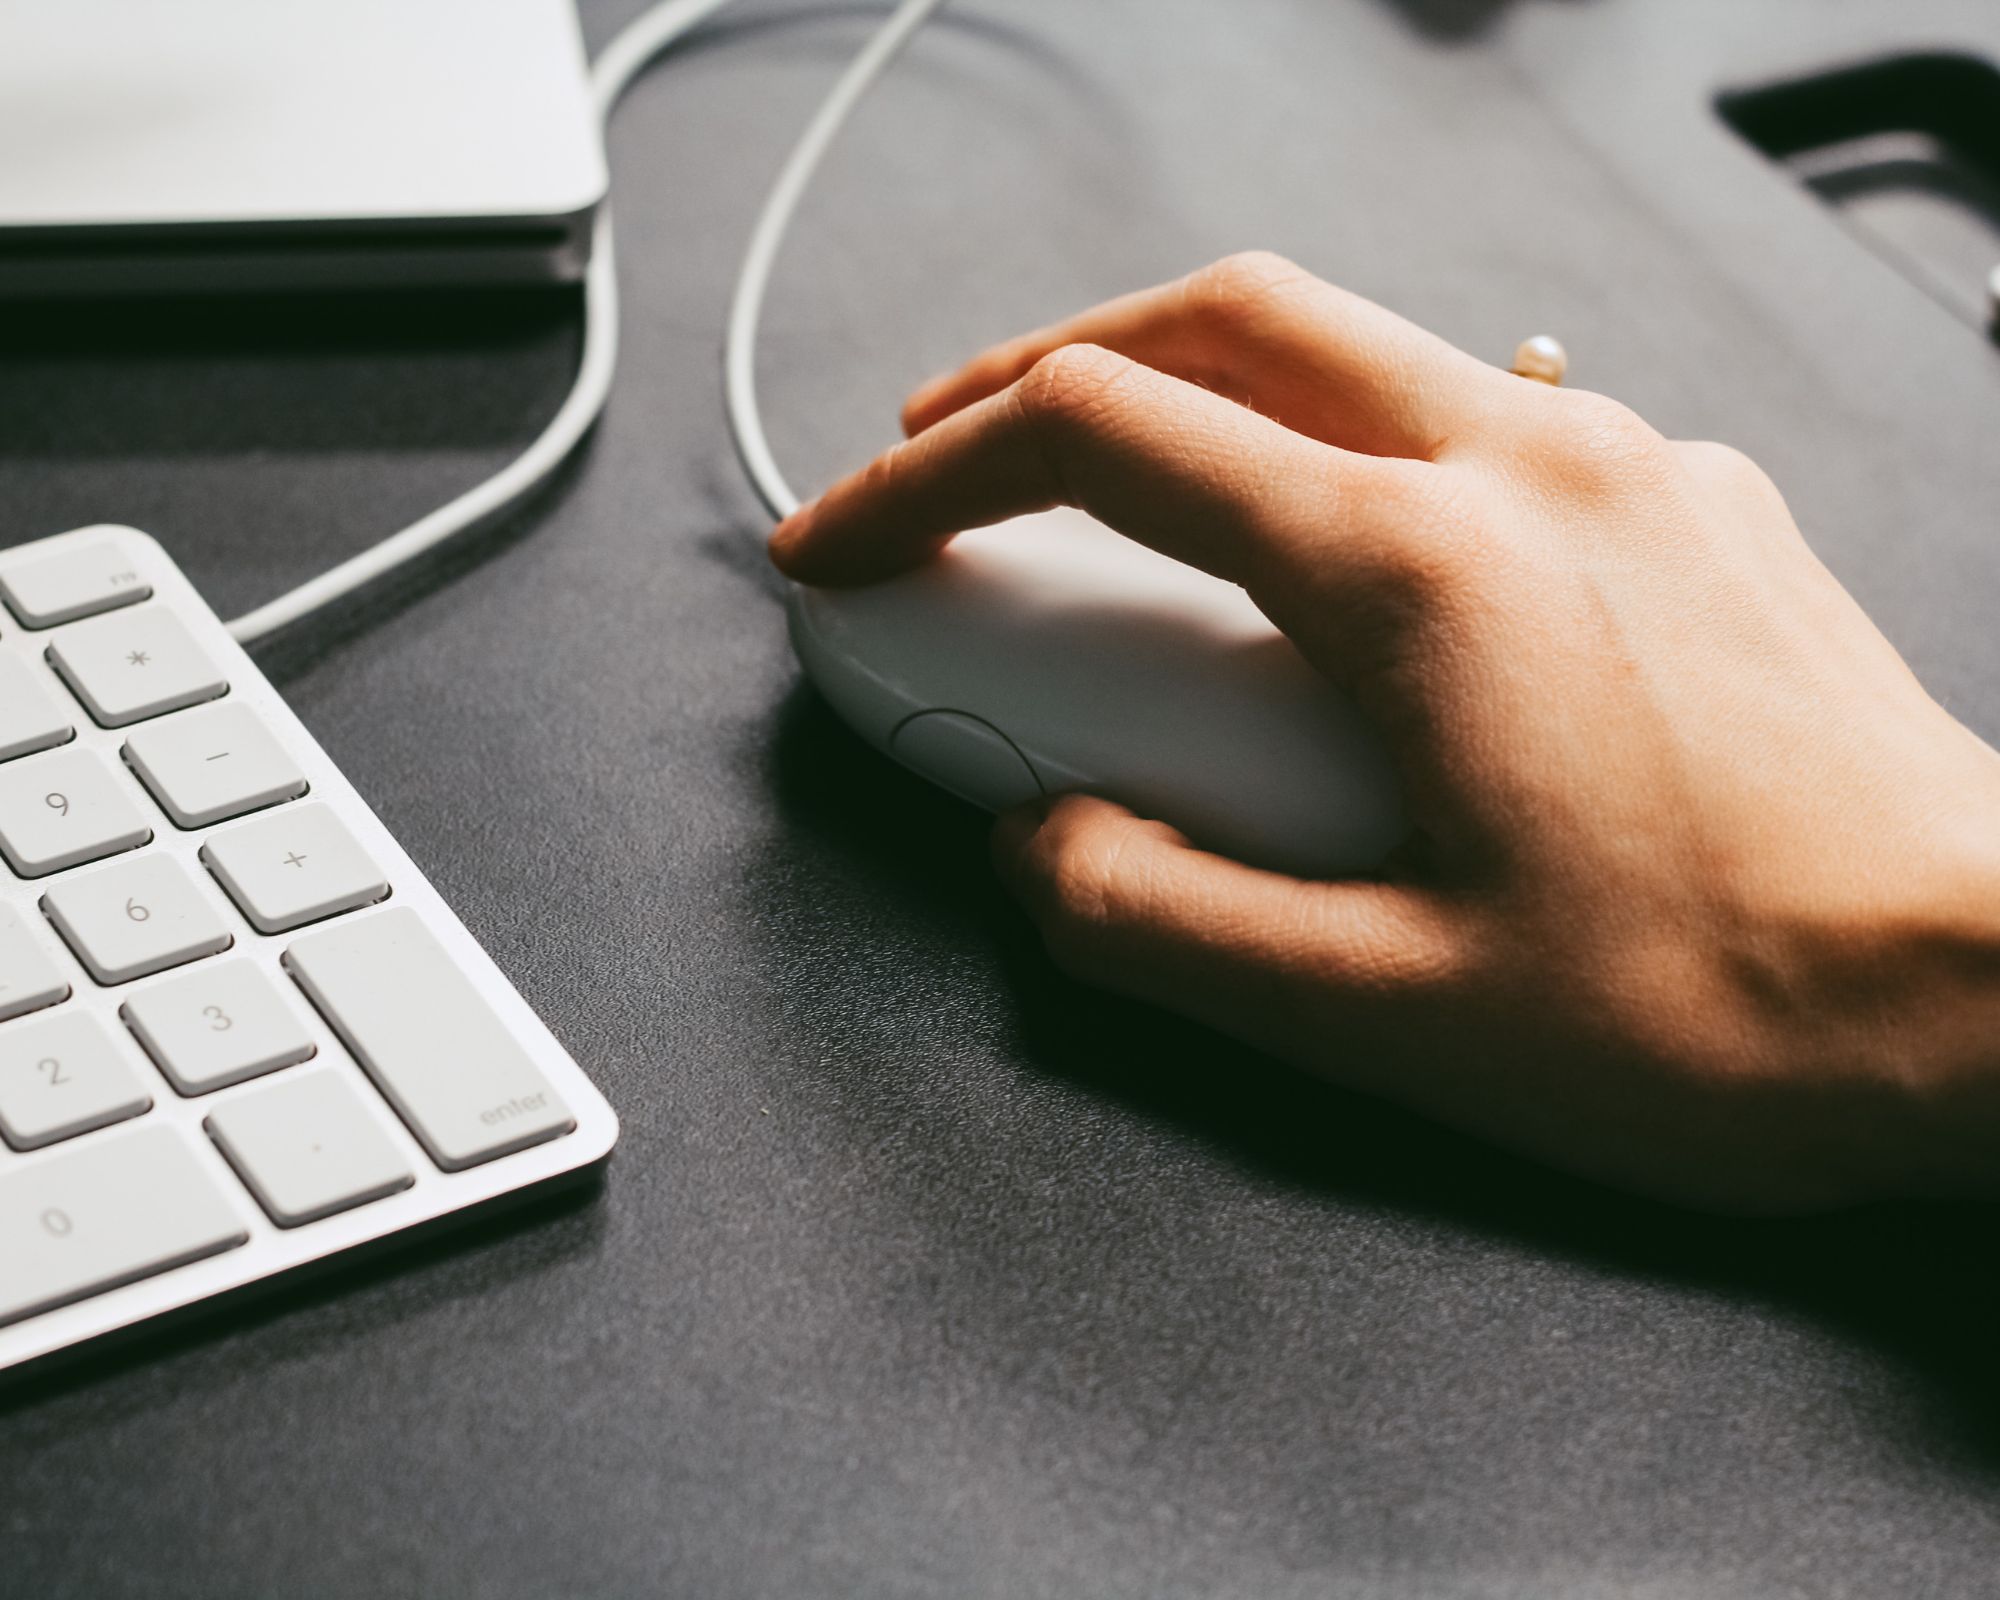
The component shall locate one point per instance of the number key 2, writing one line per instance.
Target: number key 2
(65, 1076)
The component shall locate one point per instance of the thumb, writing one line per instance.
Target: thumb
(1130, 905)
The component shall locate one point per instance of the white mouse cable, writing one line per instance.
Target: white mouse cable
(654, 31)
(620, 62)
(746, 306)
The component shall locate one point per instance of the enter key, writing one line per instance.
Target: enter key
(428, 1038)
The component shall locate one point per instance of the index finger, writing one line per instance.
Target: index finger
(1160, 460)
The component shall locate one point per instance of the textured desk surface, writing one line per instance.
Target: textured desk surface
(920, 1271)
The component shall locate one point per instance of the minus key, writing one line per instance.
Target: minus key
(213, 763)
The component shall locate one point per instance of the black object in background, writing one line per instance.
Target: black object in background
(1907, 148)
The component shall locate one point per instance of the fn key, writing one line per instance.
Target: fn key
(428, 1038)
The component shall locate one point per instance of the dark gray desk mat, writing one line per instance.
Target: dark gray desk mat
(919, 1271)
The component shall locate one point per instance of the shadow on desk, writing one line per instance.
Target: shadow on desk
(298, 372)
(453, 1258)
(1914, 1281)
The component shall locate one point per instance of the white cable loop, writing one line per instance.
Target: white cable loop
(620, 62)
(746, 306)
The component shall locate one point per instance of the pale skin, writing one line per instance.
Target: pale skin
(1703, 898)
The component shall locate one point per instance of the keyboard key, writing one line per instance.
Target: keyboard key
(426, 1035)
(294, 867)
(49, 590)
(309, 1146)
(213, 764)
(105, 1213)
(31, 719)
(64, 809)
(29, 976)
(218, 1025)
(63, 1076)
(135, 665)
(135, 918)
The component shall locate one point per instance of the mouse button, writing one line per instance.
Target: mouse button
(968, 756)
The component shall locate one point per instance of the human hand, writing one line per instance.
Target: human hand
(1703, 897)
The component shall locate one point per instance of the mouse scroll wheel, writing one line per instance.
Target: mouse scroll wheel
(968, 756)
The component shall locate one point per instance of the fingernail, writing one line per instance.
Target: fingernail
(925, 390)
(785, 537)
(917, 408)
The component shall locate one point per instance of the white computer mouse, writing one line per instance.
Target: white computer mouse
(1050, 654)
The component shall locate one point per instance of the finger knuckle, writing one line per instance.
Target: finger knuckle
(1066, 392)
(1089, 888)
(1240, 291)
(1604, 437)
(1725, 466)
(884, 473)
(1712, 455)
(1079, 880)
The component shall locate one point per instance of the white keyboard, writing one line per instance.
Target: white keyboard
(239, 1031)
